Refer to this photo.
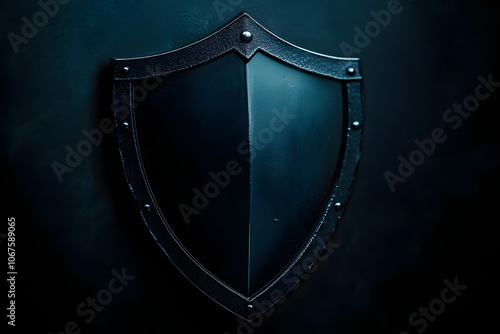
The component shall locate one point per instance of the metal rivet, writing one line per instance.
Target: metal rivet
(338, 206)
(125, 69)
(246, 36)
(351, 71)
(146, 208)
(125, 125)
(355, 125)
(249, 307)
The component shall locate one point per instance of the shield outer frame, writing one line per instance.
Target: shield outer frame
(225, 40)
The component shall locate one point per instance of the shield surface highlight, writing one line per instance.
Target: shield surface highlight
(240, 151)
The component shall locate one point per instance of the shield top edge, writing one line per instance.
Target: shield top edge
(229, 39)
(355, 59)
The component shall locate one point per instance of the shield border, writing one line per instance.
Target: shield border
(225, 40)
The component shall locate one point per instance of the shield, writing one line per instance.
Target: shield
(240, 151)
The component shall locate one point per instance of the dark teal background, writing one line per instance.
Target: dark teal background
(396, 248)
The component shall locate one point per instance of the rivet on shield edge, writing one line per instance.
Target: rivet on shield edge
(125, 125)
(338, 206)
(249, 307)
(146, 208)
(355, 125)
(246, 36)
(351, 71)
(125, 69)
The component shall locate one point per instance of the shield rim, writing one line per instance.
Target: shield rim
(225, 40)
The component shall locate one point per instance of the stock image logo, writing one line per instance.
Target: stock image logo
(31, 26)
(89, 309)
(453, 117)
(426, 315)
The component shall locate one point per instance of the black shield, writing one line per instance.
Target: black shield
(240, 150)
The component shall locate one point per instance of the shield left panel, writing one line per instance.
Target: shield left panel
(189, 127)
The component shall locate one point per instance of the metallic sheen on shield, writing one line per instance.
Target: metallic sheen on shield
(240, 151)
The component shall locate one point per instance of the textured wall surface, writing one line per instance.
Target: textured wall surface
(397, 245)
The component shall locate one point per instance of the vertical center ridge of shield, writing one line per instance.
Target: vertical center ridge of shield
(248, 97)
